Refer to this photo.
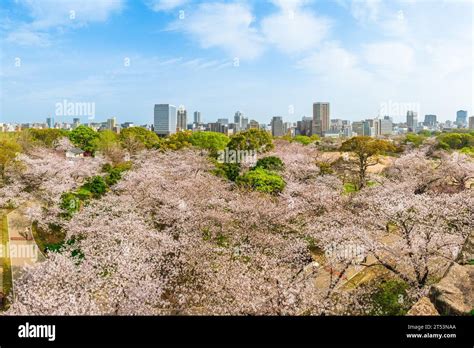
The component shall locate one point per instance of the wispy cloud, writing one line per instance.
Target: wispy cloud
(165, 5)
(294, 28)
(228, 26)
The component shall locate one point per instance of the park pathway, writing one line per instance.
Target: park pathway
(23, 249)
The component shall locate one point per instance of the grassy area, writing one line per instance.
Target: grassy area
(5, 260)
(350, 187)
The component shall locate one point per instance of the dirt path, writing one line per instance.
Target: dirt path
(23, 248)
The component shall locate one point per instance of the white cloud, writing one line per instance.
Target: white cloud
(333, 62)
(51, 13)
(390, 57)
(365, 10)
(26, 37)
(165, 5)
(293, 28)
(224, 25)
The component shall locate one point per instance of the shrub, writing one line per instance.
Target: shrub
(96, 186)
(262, 180)
(303, 139)
(69, 204)
(415, 139)
(227, 170)
(270, 163)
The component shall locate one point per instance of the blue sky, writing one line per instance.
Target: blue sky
(262, 57)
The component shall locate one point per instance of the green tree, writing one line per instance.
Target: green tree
(108, 144)
(177, 141)
(366, 150)
(95, 185)
(135, 139)
(270, 163)
(84, 138)
(47, 136)
(252, 139)
(8, 151)
(211, 141)
(262, 180)
(415, 139)
(456, 140)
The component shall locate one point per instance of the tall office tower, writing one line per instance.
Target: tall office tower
(111, 123)
(471, 122)
(197, 117)
(461, 118)
(430, 121)
(278, 129)
(50, 122)
(335, 125)
(181, 119)
(321, 118)
(223, 120)
(385, 126)
(245, 123)
(368, 128)
(358, 127)
(165, 119)
(238, 120)
(412, 121)
(305, 126)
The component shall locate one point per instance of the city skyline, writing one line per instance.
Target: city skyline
(362, 56)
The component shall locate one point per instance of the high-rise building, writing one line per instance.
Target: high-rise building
(461, 118)
(412, 121)
(471, 122)
(238, 120)
(278, 129)
(111, 123)
(197, 117)
(321, 118)
(305, 126)
(165, 119)
(223, 120)
(181, 119)
(214, 127)
(358, 128)
(430, 121)
(383, 126)
(253, 124)
(369, 128)
(50, 122)
(245, 123)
